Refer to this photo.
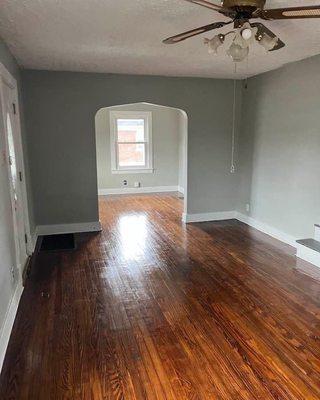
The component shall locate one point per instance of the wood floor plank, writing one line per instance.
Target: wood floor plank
(153, 309)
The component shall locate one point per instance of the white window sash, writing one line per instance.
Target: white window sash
(114, 143)
(125, 167)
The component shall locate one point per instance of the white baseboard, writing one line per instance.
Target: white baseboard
(205, 217)
(130, 190)
(260, 226)
(68, 228)
(309, 255)
(267, 229)
(8, 322)
(180, 189)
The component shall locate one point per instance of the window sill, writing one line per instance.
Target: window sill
(133, 171)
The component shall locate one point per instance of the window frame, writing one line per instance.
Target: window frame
(147, 117)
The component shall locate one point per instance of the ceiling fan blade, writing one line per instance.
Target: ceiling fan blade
(291, 13)
(207, 4)
(194, 32)
(215, 7)
(263, 29)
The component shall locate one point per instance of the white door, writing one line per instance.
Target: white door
(13, 169)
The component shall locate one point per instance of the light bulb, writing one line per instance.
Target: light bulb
(214, 43)
(268, 42)
(246, 33)
(238, 53)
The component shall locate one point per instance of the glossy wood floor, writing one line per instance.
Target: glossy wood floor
(153, 309)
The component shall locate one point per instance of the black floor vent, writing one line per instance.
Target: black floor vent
(58, 242)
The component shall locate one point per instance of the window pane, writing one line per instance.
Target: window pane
(131, 155)
(130, 130)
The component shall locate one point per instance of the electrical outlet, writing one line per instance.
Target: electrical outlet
(137, 184)
(248, 207)
(125, 182)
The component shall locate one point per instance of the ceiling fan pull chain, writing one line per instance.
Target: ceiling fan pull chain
(247, 74)
(233, 167)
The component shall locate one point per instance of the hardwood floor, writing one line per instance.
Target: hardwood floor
(154, 309)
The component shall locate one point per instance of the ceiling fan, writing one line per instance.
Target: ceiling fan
(241, 12)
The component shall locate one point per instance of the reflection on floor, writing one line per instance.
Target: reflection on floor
(154, 309)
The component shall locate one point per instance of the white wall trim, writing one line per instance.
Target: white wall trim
(8, 322)
(317, 232)
(307, 254)
(212, 216)
(267, 229)
(68, 228)
(303, 252)
(129, 190)
(225, 215)
(133, 171)
(180, 189)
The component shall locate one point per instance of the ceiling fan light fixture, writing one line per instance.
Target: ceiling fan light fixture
(268, 42)
(245, 35)
(214, 43)
(240, 13)
(238, 53)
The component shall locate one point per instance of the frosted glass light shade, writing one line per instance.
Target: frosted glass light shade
(237, 53)
(268, 42)
(214, 43)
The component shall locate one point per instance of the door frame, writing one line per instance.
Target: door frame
(7, 79)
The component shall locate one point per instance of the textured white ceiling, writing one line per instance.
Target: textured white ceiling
(125, 36)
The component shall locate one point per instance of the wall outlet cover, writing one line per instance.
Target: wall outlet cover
(137, 184)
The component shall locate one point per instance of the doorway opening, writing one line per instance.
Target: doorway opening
(142, 149)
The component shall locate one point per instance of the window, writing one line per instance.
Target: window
(131, 142)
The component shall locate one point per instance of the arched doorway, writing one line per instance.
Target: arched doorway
(142, 148)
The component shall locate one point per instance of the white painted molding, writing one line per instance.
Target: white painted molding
(180, 189)
(206, 217)
(68, 228)
(317, 232)
(260, 226)
(126, 190)
(133, 171)
(8, 322)
(267, 229)
(303, 252)
(307, 254)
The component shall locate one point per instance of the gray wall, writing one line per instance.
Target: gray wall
(280, 148)
(165, 138)
(60, 111)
